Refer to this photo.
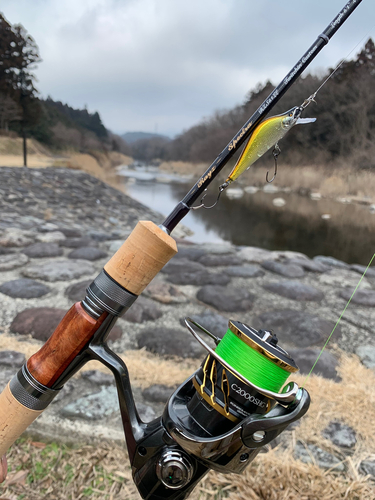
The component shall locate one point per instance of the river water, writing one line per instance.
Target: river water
(313, 227)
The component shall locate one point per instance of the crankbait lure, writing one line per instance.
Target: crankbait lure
(266, 135)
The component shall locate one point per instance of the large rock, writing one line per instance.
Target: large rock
(309, 265)
(247, 271)
(13, 359)
(158, 393)
(39, 322)
(295, 290)
(165, 293)
(87, 253)
(331, 262)
(370, 272)
(211, 321)
(288, 270)
(77, 291)
(361, 297)
(98, 378)
(214, 260)
(326, 366)
(182, 266)
(257, 255)
(95, 406)
(367, 467)
(310, 454)
(296, 328)
(24, 288)
(59, 270)
(366, 354)
(85, 241)
(340, 434)
(226, 299)
(40, 250)
(142, 310)
(51, 237)
(13, 237)
(199, 278)
(170, 342)
(12, 261)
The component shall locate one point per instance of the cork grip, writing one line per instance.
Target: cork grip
(141, 257)
(14, 419)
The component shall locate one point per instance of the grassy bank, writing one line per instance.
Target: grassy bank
(58, 472)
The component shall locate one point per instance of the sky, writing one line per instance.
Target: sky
(164, 65)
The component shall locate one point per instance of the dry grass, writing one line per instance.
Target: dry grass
(53, 471)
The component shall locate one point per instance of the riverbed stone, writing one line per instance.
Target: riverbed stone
(255, 254)
(100, 236)
(295, 290)
(211, 321)
(94, 406)
(183, 266)
(51, 237)
(190, 252)
(170, 342)
(87, 253)
(12, 261)
(59, 270)
(142, 310)
(340, 434)
(310, 454)
(13, 237)
(77, 291)
(39, 322)
(366, 354)
(24, 288)
(13, 359)
(298, 328)
(342, 278)
(288, 270)
(84, 241)
(97, 377)
(331, 262)
(226, 299)
(165, 293)
(325, 367)
(199, 278)
(213, 260)
(158, 393)
(370, 273)
(244, 271)
(309, 265)
(40, 250)
(361, 297)
(48, 227)
(71, 232)
(367, 467)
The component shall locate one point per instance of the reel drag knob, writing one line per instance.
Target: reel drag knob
(174, 469)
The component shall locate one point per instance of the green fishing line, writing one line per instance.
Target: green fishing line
(257, 368)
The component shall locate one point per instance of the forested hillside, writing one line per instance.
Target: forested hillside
(344, 130)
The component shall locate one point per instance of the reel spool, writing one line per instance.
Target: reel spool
(222, 398)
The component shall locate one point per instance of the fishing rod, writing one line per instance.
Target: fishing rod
(225, 412)
(199, 188)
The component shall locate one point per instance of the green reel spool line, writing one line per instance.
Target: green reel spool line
(258, 358)
(258, 367)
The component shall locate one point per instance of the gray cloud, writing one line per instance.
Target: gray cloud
(143, 63)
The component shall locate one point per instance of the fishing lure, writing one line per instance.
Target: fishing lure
(266, 135)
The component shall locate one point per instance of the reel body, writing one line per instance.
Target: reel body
(214, 420)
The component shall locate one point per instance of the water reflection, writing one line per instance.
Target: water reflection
(253, 220)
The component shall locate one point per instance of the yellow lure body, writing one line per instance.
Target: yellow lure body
(266, 135)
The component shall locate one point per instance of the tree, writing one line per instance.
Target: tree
(19, 55)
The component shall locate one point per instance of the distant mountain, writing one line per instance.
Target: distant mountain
(130, 137)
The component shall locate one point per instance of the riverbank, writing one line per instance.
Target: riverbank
(339, 182)
(58, 227)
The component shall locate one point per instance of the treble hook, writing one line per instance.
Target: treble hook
(276, 151)
(202, 205)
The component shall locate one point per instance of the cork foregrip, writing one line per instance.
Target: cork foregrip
(147, 249)
(14, 419)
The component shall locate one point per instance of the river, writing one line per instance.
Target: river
(271, 219)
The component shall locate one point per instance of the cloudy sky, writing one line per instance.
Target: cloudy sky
(163, 65)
